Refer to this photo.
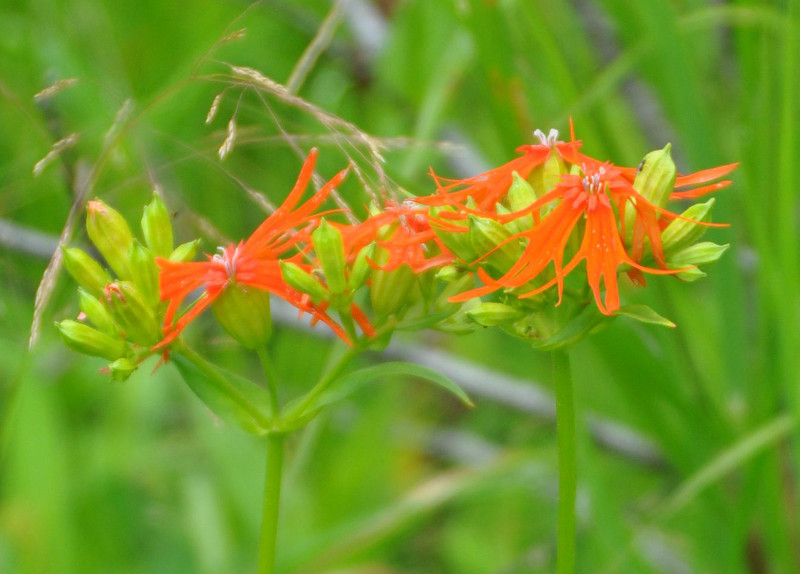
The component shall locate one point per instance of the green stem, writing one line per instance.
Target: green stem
(272, 479)
(272, 498)
(271, 377)
(567, 465)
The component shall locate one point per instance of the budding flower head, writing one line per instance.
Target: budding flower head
(691, 258)
(687, 229)
(656, 178)
(90, 341)
(96, 312)
(493, 242)
(86, 271)
(185, 251)
(329, 247)
(301, 280)
(132, 314)
(110, 233)
(144, 272)
(392, 291)
(244, 312)
(122, 369)
(157, 227)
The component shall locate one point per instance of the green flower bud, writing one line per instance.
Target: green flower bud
(656, 177)
(96, 312)
(458, 323)
(450, 273)
(520, 195)
(157, 227)
(704, 253)
(185, 251)
(456, 241)
(681, 233)
(86, 271)
(457, 282)
(121, 369)
(297, 278)
(133, 314)
(144, 272)
(491, 314)
(490, 240)
(545, 177)
(90, 341)
(392, 291)
(655, 180)
(244, 312)
(110, 233)
(329, 247)
(361, 268)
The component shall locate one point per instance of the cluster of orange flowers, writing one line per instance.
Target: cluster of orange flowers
(585, 210)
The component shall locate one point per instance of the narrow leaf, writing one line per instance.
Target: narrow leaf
(232, 398)
(347, 384)
(644, 314)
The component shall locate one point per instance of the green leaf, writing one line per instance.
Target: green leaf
(730, 459)
(232, 398)
(644, 314)
(349, 383)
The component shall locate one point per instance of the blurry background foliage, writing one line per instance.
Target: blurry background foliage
(690, 456)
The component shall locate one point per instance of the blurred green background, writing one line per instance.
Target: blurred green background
(689, 458)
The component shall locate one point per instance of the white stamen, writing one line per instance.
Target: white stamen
(550, 140)
(229, 263)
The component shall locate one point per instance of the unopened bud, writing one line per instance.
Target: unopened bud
(297, 278)
(244, 312)
(144, 272)
(656, 177)
(448, 231)
(491, 314)
(520, 196)
(96, 312)
(493, 242)
(655, 180)
(361, 268)
(546, 176)
(90, 341)
(683, 231)
(450, 273)
(185, 251)
(122, 369)
(704, 253)
(110, 233)
(157, 227)
(391, 291)
(132, 314)
(86, 271)
(329, 247)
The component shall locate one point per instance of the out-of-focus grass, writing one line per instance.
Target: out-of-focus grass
(99, 477)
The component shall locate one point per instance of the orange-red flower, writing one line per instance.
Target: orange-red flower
(596, 197)
(488, 188)
(253, 262)
(404, 231)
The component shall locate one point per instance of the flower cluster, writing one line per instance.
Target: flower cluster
(525, 226)
(550, 225)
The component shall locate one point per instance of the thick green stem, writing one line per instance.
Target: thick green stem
(567, 465)
(272, 498)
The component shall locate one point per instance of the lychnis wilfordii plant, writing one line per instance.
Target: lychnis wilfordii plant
(546, 235)
(136, 309)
